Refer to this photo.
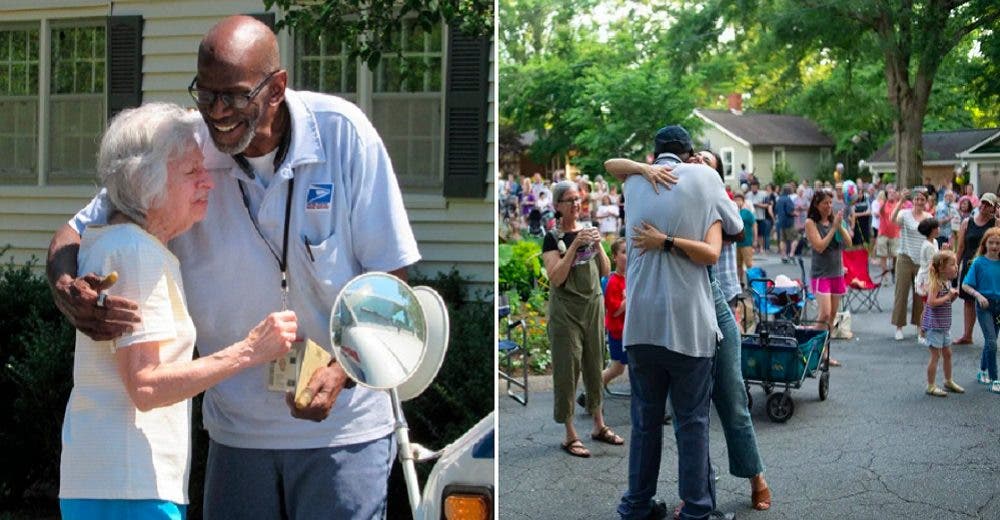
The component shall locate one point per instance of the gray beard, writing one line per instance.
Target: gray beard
(243, 142)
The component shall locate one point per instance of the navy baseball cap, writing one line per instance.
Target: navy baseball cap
(674, 134)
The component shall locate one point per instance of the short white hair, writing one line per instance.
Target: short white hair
(135, 149)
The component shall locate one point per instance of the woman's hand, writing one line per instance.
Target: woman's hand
(647, 238)
(952, 294)
(838, 218)
(659, 174)
(585, 237)
(273, 337)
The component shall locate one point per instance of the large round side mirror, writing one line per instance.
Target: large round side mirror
(436, 345)
(378, 330)
(389, 336)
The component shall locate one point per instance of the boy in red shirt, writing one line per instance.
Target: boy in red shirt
(614, 313)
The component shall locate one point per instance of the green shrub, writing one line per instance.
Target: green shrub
(463, 391)
(520, 267)
(36, 376)
(783, 174)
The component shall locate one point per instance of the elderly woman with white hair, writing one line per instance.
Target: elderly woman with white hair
(126, 434)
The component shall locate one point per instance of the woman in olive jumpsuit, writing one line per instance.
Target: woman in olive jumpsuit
(575, 262)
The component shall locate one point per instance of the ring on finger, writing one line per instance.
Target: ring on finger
(101, 296)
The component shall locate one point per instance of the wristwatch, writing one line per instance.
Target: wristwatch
(668, 244)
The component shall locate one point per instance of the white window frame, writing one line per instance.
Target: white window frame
(825, 155)
(365, 94)
(45, 27)
(777, 157)
(727, 165)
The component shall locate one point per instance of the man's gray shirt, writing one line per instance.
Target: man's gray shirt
(669, 298)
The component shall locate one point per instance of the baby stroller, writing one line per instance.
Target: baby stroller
(535, 228)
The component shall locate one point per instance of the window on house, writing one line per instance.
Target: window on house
(77, 102)
(727, 161)
(778, 157)
(74, 106)
(19, 106)
(403, 97)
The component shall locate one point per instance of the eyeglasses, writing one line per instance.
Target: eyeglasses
(574, 200)
(238, 101)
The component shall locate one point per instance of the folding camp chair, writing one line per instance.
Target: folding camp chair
(508, 348)
(862, 290)
(784, 303)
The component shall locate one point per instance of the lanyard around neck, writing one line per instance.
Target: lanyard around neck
(283, 258)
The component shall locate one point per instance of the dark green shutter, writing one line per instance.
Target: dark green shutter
(466, 103)
(265, 18)
(124, 55)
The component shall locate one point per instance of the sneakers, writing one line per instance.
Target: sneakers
(995, 387)
(983, 378)
(936, 391)
(899, 335)
(952, 386)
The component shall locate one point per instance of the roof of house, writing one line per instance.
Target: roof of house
(768, 129)
(939, 146)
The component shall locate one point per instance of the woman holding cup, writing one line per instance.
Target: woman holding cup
(575, 262)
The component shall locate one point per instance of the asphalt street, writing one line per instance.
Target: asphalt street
(878, 448)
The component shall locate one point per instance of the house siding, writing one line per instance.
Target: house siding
(716, 140)
(450, 232)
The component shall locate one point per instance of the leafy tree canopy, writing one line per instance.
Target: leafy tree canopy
(370, 28)
(822, 59)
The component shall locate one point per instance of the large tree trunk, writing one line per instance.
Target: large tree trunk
(910, 102)
(909, 148)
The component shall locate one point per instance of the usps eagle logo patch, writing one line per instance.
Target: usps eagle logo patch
(319, 197)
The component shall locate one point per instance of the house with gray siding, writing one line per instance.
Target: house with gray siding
(762, 141)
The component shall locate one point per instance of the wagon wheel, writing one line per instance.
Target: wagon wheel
(749, 398)
(780, 407)
(824, 385)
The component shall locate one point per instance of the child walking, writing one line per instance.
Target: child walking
(936, 320)
(614, 317)
(983, 283)
(614, 313)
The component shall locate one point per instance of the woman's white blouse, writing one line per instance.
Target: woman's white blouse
(111, 450)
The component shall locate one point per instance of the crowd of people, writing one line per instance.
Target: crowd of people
(676, 333)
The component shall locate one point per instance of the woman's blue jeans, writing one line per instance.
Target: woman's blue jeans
(730, 397)
(987, 319)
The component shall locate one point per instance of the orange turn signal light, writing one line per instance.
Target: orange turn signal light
(462, 506)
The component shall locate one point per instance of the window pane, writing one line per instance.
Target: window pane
(413, 36)
(18, 141)
(308, 75)
(411, 130)
(19, 79)
(77, 104)
(323, 67)
(76, 129)
(78, 60)
(390, 77)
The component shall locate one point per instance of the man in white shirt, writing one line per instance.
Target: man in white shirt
(277, 157)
